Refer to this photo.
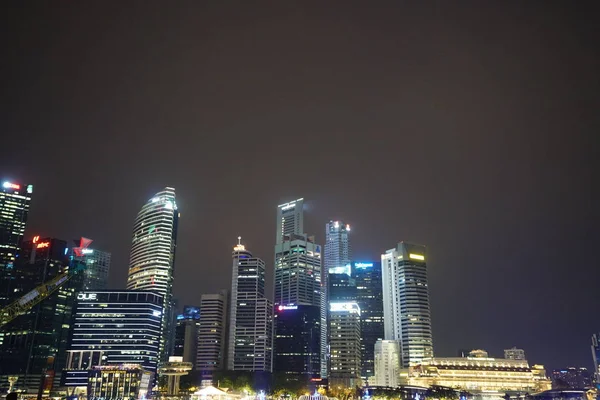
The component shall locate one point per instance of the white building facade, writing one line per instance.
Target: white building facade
(407, 316)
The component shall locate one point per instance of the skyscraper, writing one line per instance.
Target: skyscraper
(338, 252)
(113, 327)
(290, 219)
(212, 335)
(407, 316)
(344, 344)
(186, 334)
(298, 276)
(97, 264)
(251, 315)
(14, 208)
(37, 340)
(152, 258)
(369, 296)
(298, 282)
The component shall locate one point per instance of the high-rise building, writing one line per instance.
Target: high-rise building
(514, 354)
(407, 317)
(387, 363)
(336, 258)
(338, 252)
(113, 327)
(298, 341)
(298, 282)
(344, 344)
(369, 296)
(342, 287)
(14, 208)
(152, 257)
(290, 219)
(36, 342)
(186, 334)
(212, 335)
(596, 357)
(97, 264)
(571, 378)
(251, 315)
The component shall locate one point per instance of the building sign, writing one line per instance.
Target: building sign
(416, 257)
(36, 239)
(43, 245)
(8, 185)
(363, 265)
(290, 307)
(87, 296)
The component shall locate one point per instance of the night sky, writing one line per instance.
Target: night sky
(468, 127)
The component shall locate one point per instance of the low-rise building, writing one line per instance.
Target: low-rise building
(479, 374)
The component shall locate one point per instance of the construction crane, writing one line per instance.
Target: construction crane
(25, 303)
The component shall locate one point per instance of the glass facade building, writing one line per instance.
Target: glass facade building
(152, 257)
(14, 208)
(369, 296)
(37, 340)
(113, 328)
(186, 334)
(97, 264)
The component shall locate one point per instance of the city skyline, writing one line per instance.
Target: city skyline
(483, 117)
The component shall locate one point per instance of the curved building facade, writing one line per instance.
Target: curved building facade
(153, 255)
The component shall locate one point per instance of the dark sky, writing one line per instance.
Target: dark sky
(468, 127)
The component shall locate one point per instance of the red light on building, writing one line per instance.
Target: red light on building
(43, 245)
(36, 239)
(8, 185)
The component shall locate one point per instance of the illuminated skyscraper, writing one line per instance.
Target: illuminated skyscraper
(290, 219)
(251, 315)
(152, 258)
(298, 275)
(407, 316)
(344, 344)
(14, 207)
(369, 293)
(338, 252)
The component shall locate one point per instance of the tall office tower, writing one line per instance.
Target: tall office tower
(342, 287)
(344, 344)
(369, 296)
(298, 341)
(338, 252)
(251, 315)
(596, 357)
(298, 282)
(14, 207)
(113, 327)
(407, 317)
(387, 363)
(212, 335)
(337, 256)
(514, 354)
(152, 258)
(97, 264)
(36, 341)
(186, 334)
(290, 219)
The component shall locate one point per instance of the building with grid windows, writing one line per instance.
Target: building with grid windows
(152, 258)
(114, 327)
(251, 315)
(344, 345)
(212, 335)
(407, 317)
